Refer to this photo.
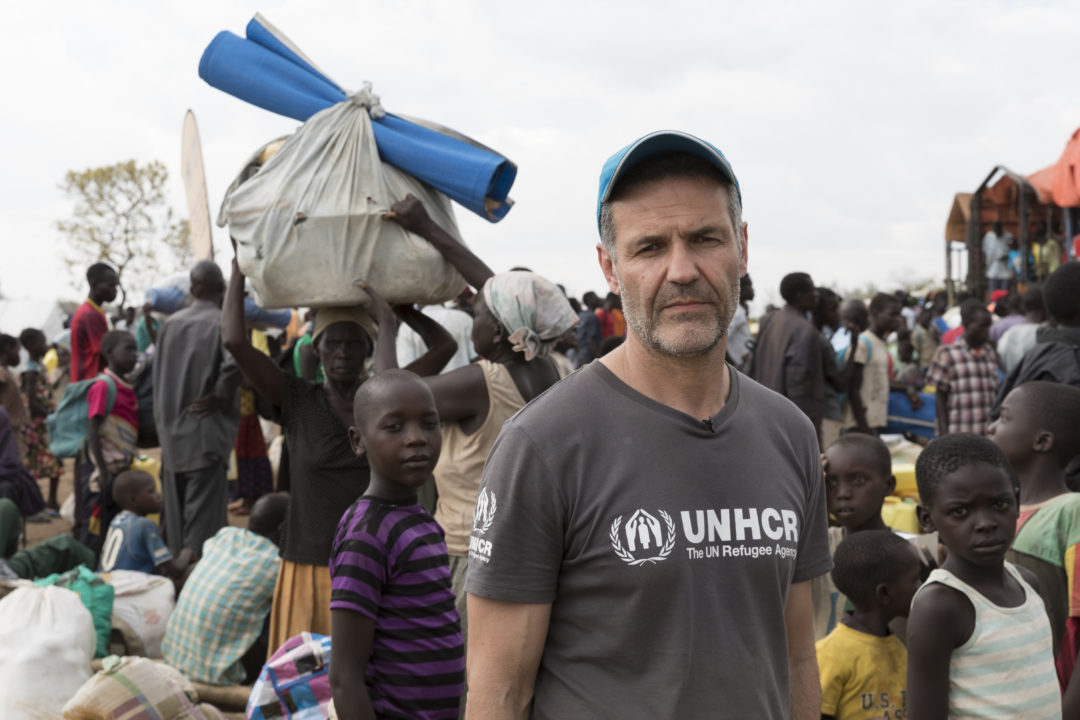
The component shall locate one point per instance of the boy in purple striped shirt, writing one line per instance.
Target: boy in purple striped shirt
(397, 650)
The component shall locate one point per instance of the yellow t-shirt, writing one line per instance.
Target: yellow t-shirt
(862, 676)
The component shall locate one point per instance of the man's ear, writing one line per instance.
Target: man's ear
(607, 266)
(744, 234)
(1044, 441)
(356, 441)
(922, 512)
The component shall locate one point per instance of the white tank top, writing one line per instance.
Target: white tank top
(1006, 668)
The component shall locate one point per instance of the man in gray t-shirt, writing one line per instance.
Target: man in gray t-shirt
(646, 531)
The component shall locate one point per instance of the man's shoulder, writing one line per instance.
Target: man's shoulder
(573, 397)
(772, 408)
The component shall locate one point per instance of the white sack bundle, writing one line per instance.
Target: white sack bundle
(309, 223)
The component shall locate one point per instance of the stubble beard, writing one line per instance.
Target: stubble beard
(685, 339)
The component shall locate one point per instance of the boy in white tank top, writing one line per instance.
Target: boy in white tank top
(979, 641)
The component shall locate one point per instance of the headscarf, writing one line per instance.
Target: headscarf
(531, 308)
(325, 317)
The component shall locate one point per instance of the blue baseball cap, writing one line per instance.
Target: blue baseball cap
(651, 145)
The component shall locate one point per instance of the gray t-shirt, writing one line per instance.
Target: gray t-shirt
(666, 546)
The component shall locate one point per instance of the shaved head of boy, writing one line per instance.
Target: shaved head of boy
(135, 491)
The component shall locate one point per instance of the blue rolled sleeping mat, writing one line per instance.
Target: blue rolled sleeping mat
(267, 70)
(170, 298)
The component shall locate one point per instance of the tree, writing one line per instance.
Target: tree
(121, 218)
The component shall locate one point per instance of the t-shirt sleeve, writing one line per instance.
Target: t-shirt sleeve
(516, 546)
(1070, 531)
(146, 540)
(813, 557)
(358, 573)
(939, 374)
(833, 677)
(97, 400)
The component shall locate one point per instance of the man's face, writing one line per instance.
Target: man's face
(677, 264)
(887, 320)
(105, 288)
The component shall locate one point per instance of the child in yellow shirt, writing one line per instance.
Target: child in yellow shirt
(863, 666)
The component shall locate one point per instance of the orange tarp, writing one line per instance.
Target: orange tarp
(1060, 183)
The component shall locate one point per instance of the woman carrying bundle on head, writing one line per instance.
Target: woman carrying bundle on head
(518, 318)
(326, 475)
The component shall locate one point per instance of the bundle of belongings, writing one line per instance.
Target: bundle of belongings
(307, 211)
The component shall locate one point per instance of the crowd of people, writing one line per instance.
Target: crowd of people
(598, 507)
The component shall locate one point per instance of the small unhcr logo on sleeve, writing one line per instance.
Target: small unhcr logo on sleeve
(483, 516)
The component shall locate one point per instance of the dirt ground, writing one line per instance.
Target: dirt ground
(39, 532)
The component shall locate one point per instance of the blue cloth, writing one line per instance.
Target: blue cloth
(262, 70)
(133, 543)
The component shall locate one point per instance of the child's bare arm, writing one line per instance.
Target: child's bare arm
(941, 620)
(93, 441)
(350, 649)
(176, 567)
(855, 380)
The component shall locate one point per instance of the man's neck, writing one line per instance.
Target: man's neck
(877, 331)
(697, 386)
(1041, 479)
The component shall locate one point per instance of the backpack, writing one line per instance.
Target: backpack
(295, 681)
(70, 421)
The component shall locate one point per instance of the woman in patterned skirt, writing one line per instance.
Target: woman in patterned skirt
(40, 462)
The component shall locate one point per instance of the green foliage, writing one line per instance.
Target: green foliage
(912, 285)
(121, 218)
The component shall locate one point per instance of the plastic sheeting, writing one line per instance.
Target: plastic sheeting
(267, 70)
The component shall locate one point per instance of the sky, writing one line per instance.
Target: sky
(849, 124)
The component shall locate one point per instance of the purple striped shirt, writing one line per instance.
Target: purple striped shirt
(389, 563)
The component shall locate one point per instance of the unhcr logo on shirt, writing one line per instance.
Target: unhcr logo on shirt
(643, 534)
(724, 532)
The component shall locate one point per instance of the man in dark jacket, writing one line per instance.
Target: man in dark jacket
(787, 356)
(1056, 355)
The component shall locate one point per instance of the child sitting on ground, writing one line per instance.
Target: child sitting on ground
(219, 631)
(858, 478)
(1039, 432)
(863, 666)
(979, 642)
(133, 542)
(111, 436)
(397, 649)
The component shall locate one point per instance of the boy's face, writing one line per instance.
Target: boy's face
(11, 355)
(400, 434)
(1016, 429)
(903, 586)
(977, 330)
(886, 320)
(974, 511)
(122, 356)
(854, 486)
(146, 500)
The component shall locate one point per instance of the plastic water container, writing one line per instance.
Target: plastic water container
(900, 515)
